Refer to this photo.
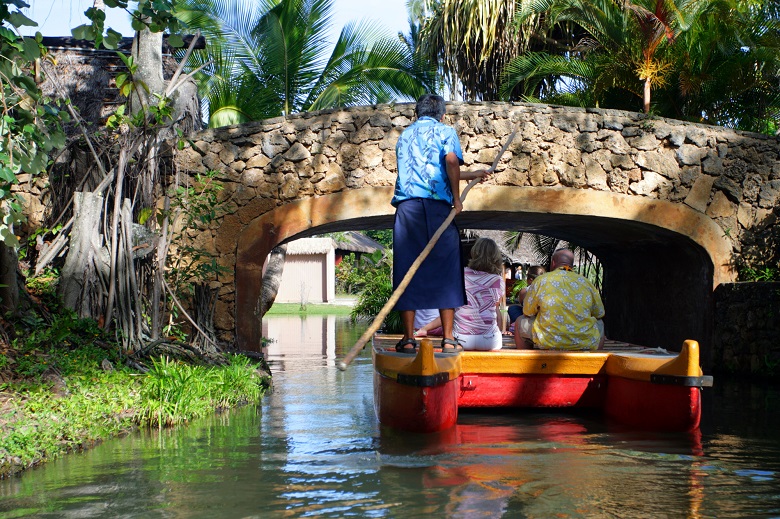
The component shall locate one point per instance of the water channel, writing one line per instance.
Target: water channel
(313, 448)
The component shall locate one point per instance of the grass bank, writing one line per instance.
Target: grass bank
(55, 400)
(311, 309)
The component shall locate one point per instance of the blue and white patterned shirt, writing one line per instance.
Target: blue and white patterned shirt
(420, 153)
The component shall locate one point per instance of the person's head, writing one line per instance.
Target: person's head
(430, 105)
(486, 256)
(533, 273)
(562, 258)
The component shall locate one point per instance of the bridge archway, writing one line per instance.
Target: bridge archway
(661, 260)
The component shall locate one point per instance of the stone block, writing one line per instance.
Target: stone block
(690, 155)
(769, 194)
(297, 153)
(370, 156)
(227, 234)
(257, 161)
(645, 142)
(721, 207)
(699, 196)
(662, 162)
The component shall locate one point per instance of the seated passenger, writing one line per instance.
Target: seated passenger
(562, 310)
(427, 322)
(516, 311)
(478, 323)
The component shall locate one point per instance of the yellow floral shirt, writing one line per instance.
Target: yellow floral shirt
(566, 306)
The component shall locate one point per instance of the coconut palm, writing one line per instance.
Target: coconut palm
(270, 58)
(473, 40)
(711, 60)
(625, 46)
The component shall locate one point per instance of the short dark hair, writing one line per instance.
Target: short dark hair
(430, 105)
(535, 271)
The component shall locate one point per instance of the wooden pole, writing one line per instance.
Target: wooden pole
(380, 317)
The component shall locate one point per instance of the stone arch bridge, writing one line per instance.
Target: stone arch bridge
(670, 208)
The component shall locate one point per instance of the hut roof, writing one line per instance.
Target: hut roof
(348, 241)
(522, 255)
(356, 242)
(310, 246)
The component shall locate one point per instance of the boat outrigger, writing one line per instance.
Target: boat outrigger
(635, 386)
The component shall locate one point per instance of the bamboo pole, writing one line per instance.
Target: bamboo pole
(380, 317)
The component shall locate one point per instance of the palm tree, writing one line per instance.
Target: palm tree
(704, 60)
(623, 42)
(728, 66)
(473, 40)
(269, 58)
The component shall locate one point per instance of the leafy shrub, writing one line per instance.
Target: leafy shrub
(376, 291)
(759, 274)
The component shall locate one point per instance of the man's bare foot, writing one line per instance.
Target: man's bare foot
(420, 333)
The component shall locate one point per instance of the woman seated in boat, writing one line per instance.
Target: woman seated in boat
(478, 323)
(427, 323)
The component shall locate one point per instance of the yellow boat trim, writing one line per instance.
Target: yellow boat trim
(627, 364)
(425, 363)
(534, 362)
(636, 366)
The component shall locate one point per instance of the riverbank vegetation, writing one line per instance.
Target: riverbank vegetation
(64, 386)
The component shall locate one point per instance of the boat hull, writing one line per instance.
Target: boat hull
(643, 405)
(415, 409)
(416, 393)
(513, 390)
(636, 387)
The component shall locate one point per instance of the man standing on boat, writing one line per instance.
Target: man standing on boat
(429, 157)
(562, 310)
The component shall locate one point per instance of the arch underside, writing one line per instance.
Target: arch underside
(661, 260)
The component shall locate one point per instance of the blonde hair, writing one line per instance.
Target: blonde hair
(486, 256)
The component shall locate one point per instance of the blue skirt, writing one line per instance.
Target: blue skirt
(439, 282)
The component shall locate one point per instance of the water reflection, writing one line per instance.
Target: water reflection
(314, 449)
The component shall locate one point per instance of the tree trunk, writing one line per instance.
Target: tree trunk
(86, 268)
(272, 278)
(147, 53)
(646, 98)
(9, 280)
(204, 303)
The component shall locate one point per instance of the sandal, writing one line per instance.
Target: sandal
(406, 346)
(450, 346)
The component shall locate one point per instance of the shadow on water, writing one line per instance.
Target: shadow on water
(313, 448)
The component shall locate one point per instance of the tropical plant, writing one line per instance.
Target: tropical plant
(376, 292)
(269, 58)
(544, 246)
(704, 60)
(473, 40)
(30, 130)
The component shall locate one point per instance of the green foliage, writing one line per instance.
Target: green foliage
(377, 289)
(44, 284)
(383, 236)
(349, 278)
(198, 205)
(266, 59)
(516, 288)
(174, 393)
(759, 274)
(30, 124)
(708, 61)
(39, 425)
